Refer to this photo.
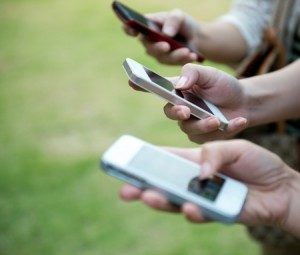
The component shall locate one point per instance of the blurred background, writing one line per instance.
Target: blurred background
(64, 98)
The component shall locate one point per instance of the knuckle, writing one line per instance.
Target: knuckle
(183, 127)
(205, 148)
(161, 60)
(176, 13)
(189, 66)
(193, 138)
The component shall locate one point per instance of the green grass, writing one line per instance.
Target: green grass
(63, 99)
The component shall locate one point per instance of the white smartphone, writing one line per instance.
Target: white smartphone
(151, 81)
(149, 167)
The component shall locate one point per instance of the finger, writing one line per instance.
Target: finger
(173, 79)
(158, 17)
(157, 201)
(196, 74)
(173, 22)
(208, 137)
(193, 213)
(182, 56)
(155, 49)
(177, 112)
(130, 31)
(236, 125)
(216, 155)
(136, 87)
(199, 131)
(195, 126)
(129, 193)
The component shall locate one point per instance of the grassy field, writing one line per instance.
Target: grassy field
(63, 99)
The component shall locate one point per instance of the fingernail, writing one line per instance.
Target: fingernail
(213, 122)
(241, 122)
(205, 170)
(193, 56)
(165, 47)
(184, 115)
(181, 82)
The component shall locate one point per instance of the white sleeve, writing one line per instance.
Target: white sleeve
(250, 17)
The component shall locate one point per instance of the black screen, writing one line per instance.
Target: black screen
(128, 14)
(159, 80)
(163, 82)
(208, 188)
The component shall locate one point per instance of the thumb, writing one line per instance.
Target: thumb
(218, 155)
(192, 74)
(173, 23)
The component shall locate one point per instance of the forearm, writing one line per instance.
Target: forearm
(274, 96)
(292, 222)
(221, 42)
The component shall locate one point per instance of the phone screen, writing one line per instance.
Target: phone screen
(128, 14)
(163, 82)
(176, 171)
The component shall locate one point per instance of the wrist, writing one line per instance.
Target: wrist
(201, 36)
(258, 102)
(291, 222)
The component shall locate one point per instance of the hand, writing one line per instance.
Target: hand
(219, 88)
(267, 177)
(173, 23)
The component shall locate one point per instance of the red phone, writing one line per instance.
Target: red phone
(150, 28)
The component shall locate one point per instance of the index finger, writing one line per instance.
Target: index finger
(130, 31)
(136, 87)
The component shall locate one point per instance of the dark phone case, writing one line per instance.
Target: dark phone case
(175, 43)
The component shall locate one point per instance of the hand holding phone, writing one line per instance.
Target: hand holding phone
(152, 29)
(252, 165)
(149, 167)
(152, 82)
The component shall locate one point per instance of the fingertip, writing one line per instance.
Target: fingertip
(130, 31)
(237, 124)
(206, 171)
(177, 112)
(192, 213)
(169, 30)
(213, 123)
(129, 193)
(163, 47)
(180, 84)
(156, 201)
(241, 122)
(193, 56)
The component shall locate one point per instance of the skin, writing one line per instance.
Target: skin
(247, 102)
(274, 187)
(218, 41)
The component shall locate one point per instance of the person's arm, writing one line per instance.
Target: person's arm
(274, 188)
(228, 39)
(219, 41)
(274, 96)
(248, 102)
(292, 221)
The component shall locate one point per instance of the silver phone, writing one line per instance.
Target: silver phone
(153, 82)
(149, 167)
